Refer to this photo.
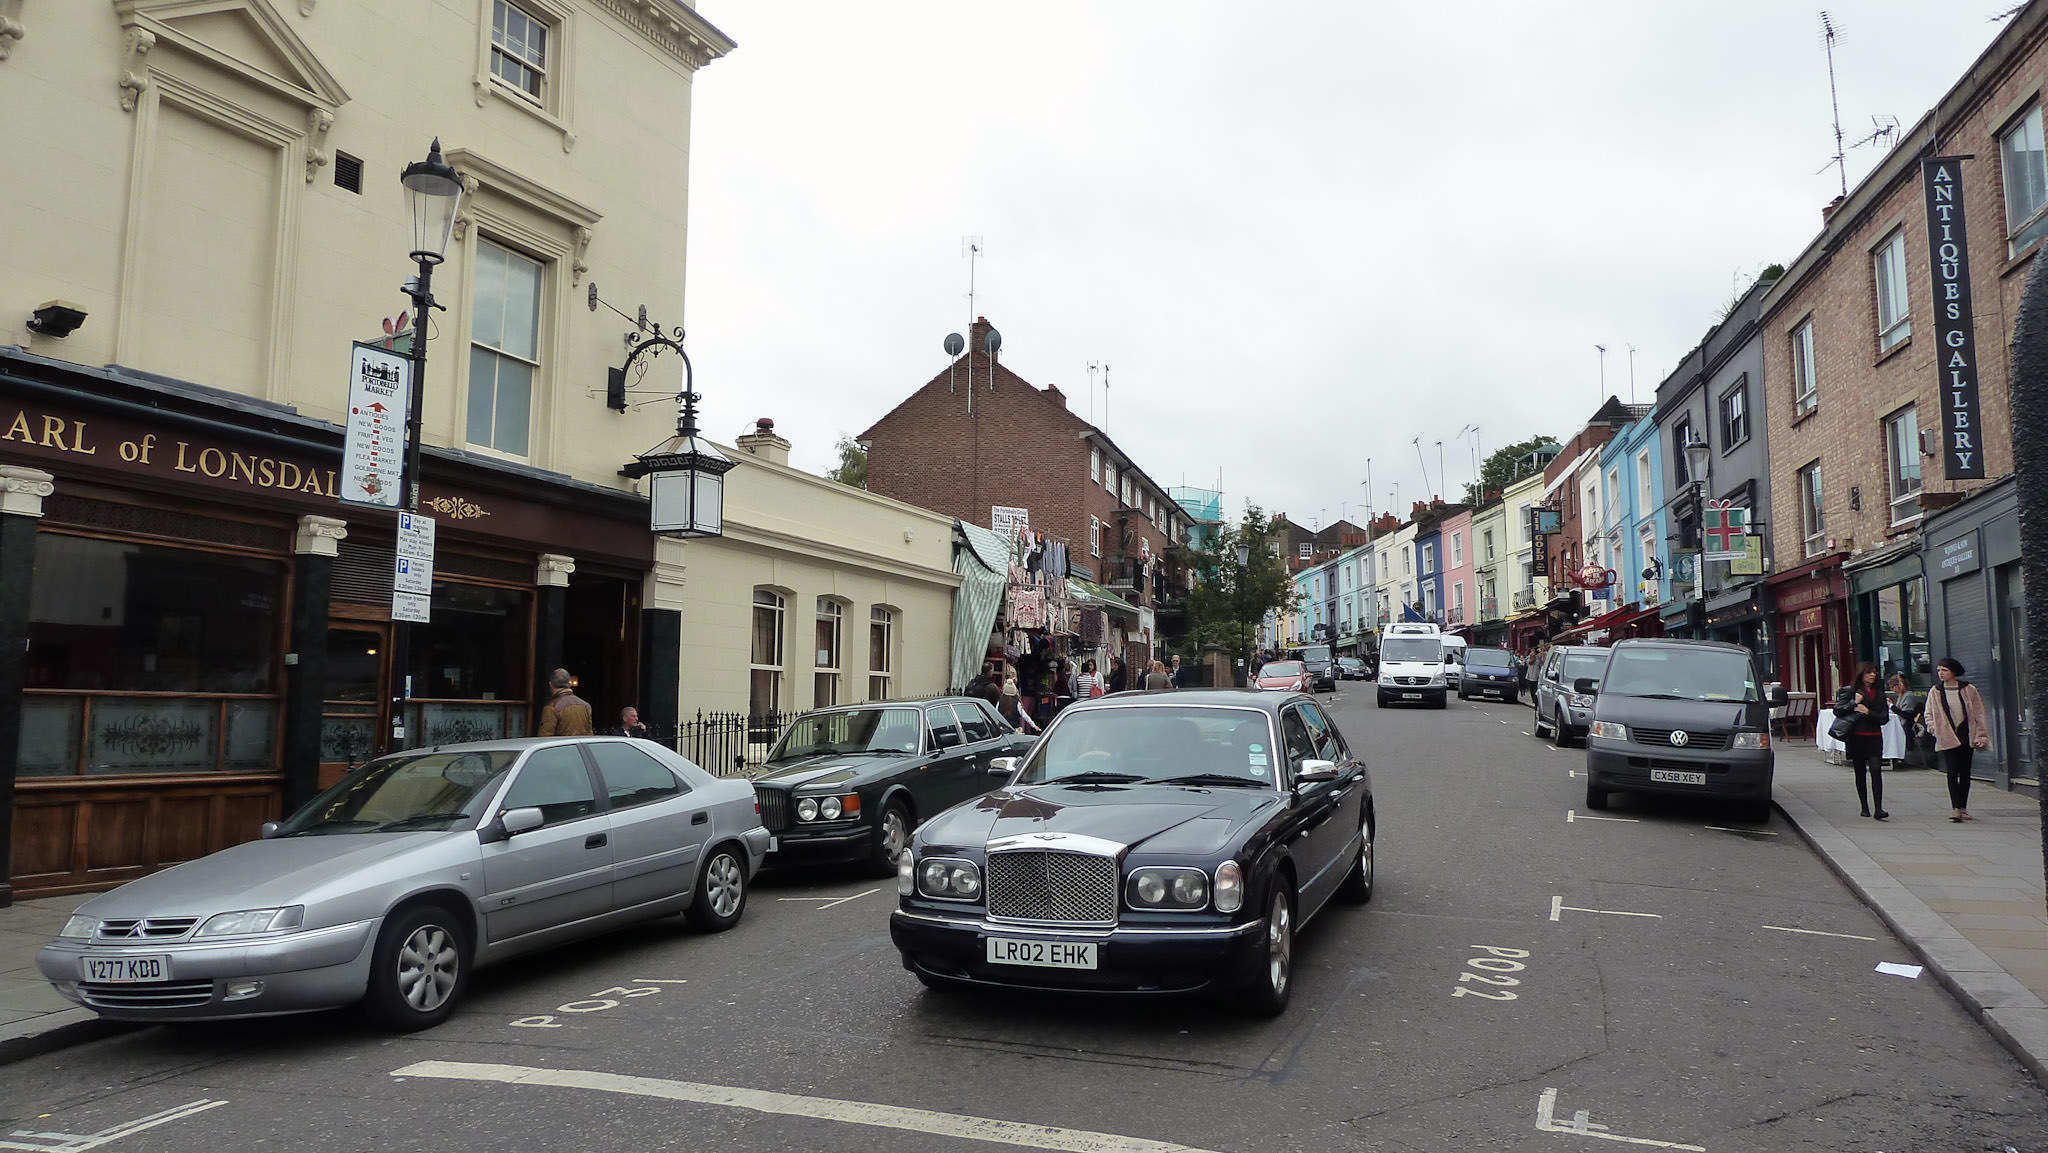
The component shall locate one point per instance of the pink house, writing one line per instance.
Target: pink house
(1461, 590)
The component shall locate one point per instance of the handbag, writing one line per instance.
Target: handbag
(1843, 726)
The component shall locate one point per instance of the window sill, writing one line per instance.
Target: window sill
(2022, 259)
(488, 86)
(1745, 440)
(1893, 351)
(1799, 418)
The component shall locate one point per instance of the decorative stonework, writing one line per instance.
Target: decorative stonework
(318, 121)
(457, 507)
(320, 536)
(467, 212)
(22, 490)
(11, 27)
(134, 73)
(554, 570)
(579, 265)
(673, 28)
(306, 7)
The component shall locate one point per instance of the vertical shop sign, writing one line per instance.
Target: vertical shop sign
(1955, 333)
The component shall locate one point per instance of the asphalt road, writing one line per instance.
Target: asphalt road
(1658, 995)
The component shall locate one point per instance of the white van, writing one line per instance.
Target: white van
(1454, 660)
(1412, 665)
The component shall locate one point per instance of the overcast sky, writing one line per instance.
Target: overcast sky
(1301, 235)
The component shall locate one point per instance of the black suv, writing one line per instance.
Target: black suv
(1685, 717)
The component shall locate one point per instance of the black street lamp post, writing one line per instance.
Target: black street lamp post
(1244, 642)
(1698, 459)
(434, 194)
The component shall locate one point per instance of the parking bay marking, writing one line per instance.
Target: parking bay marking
(79, 1142)
(1572, 815)
(1557, 906)
(1581, 1125)
(1745, 832)
(795, 1105)
(1819, 933)
(832, 902)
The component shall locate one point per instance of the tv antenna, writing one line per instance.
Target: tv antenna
(1603, 370)
(1884, 132)
(1631, 374)
(972, 248)
(1094, 366)
(1828, 35)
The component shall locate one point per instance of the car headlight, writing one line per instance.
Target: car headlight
(1751, 741)
(1156, 887)
(906, 875)
(807, 809)
(249, 921)
(829, 808)
(1579, 701)
(76, 926)
(1229, 887)
(949, 879)
(1612, 730)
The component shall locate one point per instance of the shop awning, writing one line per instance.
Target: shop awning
(1610, 624)
(984, 568)
(1090, 593)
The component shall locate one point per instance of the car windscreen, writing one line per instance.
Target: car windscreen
(1405, 650)
(848, 731)
(1194, 745)
(1578, 665)
(1489, 659)
(410, 792)
(1281, 669)
(1681, 675)
(1316, 654)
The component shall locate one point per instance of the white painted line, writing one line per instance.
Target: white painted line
(1571, 815)
(79, 1142)
(1751, 832)
(1558, 906)
(793, 1105)
(832, 902)
(1818, 933)
(661, 980)
(1581, 1125)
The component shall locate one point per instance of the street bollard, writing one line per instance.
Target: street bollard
(2029, 383)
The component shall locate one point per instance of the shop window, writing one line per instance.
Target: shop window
(2025, 167)
(764, 695)
(831, 619)
(150, 659)
(1805, 378)
(469, 665)
(1902, 463)
(1899, 616)
(1811, 523)
(1734, 416)
(1894, 311)
(881, 653)
(504, 353)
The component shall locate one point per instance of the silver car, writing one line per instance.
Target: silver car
(389, 887)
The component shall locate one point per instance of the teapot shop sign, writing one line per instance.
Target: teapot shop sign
(121, 445)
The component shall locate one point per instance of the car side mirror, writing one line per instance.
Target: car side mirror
(270, 828)
(516, 821)
(1002, 766)
(1776, 697)
(1585, 686)
(1313, 771)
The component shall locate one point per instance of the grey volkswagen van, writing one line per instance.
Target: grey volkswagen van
(1685, 717)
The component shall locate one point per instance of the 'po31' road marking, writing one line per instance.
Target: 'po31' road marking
(794, 1105)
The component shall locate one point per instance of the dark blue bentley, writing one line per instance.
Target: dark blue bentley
(1154, 843)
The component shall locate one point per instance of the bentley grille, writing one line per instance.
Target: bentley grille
(774, 809)
(1034, 885)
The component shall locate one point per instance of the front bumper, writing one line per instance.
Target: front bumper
(1487, 686)
(293, 973)
(1743, 775)
(801, 845)
(1147, 960)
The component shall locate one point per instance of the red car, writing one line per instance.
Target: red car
(1284, 676)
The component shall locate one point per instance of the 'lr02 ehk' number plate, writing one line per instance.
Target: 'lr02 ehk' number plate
(124, 970)
(1041, 954)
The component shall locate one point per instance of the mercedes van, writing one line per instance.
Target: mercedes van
(1412, 666)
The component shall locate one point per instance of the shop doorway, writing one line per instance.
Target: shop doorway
(354, 703)
(601, 644)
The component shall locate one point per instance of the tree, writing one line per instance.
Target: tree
(1503, 467)
(1229, 600)
(853, 464)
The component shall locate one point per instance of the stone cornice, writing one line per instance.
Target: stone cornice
(673, 27)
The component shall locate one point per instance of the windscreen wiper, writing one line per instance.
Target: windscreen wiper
(1223, 779)
(1097, 779)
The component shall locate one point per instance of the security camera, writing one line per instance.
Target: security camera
(56, 318)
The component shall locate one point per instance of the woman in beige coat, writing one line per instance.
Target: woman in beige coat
(1955, 715)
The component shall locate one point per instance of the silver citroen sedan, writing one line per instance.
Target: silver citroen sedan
(386, 889)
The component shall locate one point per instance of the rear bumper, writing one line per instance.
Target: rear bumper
(1128, 960)
(1744, 775)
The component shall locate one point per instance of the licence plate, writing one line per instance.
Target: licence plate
(1411, 696)
(773, 843)
(124, 970)
(1040, 954)
(1675, 777)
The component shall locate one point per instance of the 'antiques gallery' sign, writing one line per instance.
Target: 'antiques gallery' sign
(1955, 348)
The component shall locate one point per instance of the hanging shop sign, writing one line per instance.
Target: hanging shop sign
(1722, 529)
(1750, 561)
(373, 451)
(1955, 332)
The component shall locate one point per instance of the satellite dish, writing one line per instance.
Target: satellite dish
(955, 343)
(994, 341)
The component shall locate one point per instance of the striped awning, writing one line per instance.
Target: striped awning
(982, 558)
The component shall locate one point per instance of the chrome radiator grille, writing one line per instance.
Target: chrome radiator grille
(151, 929)
(1034, 885)
(774, 809)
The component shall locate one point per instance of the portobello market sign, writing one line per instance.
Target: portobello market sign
(124, 446)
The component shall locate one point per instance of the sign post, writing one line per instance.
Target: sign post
(412, 582)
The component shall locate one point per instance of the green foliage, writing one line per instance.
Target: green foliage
(1229, 600)
(853, 464)
(1503, 467)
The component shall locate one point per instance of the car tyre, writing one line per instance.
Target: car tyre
(1596, 797)
(1357, 886)
(892, 837)
(419, 969)
(1275, 982)
(1758, 812)
(721, 894)
(1380, 701)
(1559, 732)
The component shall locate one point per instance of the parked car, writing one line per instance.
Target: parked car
(1352, 669)
(1560, 706)
(848, 784)
(1685, 717)
(388, 887)
(1490, 673)
(1146, 845)
(1284, 676)
(1322, 667)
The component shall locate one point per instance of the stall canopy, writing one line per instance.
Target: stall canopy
(1605, 630)
(982, 558)
(1090, 593)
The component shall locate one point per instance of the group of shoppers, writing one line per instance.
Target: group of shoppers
(1953, 714)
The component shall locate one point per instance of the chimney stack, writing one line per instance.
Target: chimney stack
(1052, 392)
(763, 442)
(1831, 208)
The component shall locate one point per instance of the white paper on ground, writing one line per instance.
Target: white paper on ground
(1898, 970)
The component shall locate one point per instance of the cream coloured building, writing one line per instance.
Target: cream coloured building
(201, 213)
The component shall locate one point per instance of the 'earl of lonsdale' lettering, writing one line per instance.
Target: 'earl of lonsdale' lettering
(146, 453)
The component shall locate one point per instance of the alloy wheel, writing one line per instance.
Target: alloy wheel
(1279, 944)
(895, 832)
(725, 885)
(428, 965)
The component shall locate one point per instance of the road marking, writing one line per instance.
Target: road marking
(79, 1142)
(1557, 906)
(1818, 933)
(661, 980)
(1581, 1125)
(1745, 832)
(794, 1105)
(832, 902)
(1571, 815)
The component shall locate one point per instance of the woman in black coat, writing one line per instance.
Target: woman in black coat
(1861, 702)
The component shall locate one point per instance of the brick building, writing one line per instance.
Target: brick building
(1572, 489)
(978, 437)
(1854, 358)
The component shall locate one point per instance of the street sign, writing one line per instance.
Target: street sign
(412, 580)
(373, 454)
(1008, 521)
(1722, 530)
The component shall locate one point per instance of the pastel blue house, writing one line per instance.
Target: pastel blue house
(1632, 467)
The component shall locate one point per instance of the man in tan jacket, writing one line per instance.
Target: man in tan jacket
(565, 714)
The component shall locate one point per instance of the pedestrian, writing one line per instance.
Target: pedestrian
(1119, 677)
(977, 687)
(1175, 672)
(1859, 725)
(1955, 715)
(565, 714)
(1158, 679)
(1088, 685)
(1011, 705)
(1908, 706)
(629, 724)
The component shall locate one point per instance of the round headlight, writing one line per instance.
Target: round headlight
(1151, 888)
(966, 880)
(1190, 888)
(807, 810)
(829, 808)
(1229, 887)
(933, 877)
